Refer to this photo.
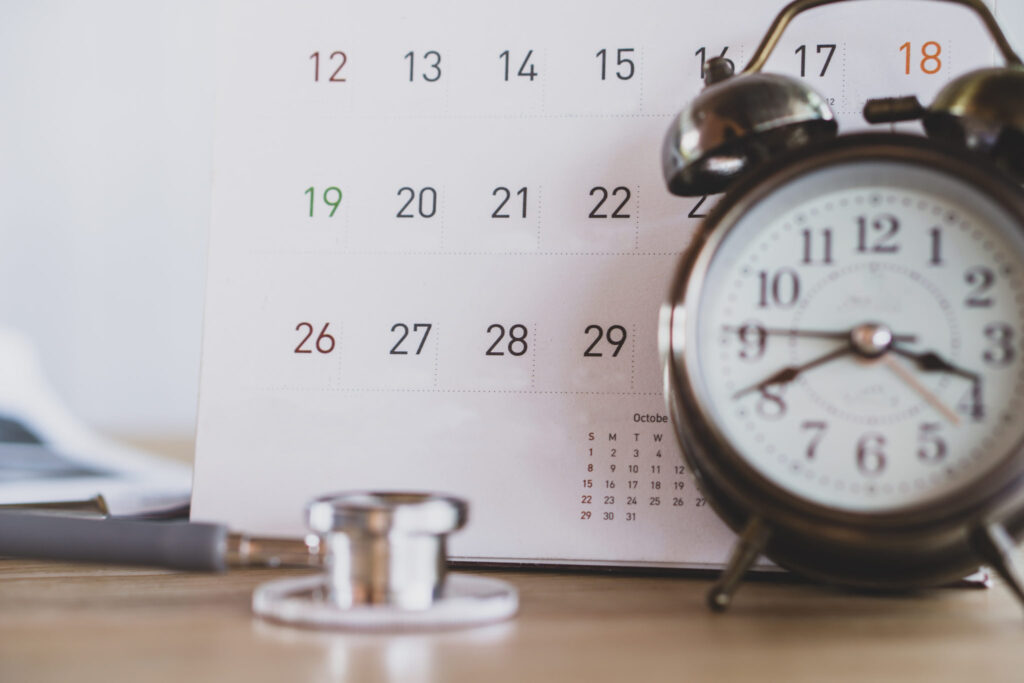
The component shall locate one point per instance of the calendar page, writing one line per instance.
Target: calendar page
(441, 238)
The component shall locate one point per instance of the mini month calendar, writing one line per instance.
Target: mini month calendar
(440, 241)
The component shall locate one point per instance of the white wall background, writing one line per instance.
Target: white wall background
(106, 120)
(106, 125)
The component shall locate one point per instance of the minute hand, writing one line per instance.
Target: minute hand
(814, 334)
(788, 374)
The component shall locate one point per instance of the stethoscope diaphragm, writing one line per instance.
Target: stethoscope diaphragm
(386, 568)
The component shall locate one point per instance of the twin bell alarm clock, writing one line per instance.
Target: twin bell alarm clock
(844, 339)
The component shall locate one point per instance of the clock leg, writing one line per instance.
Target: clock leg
(998, 549)
(746, 551)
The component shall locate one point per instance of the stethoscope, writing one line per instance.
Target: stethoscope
(384, 560)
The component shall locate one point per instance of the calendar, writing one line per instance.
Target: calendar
(440, 242)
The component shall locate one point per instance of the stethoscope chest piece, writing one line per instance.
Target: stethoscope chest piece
(386, 568)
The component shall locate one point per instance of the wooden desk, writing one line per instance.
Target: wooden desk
(63, 622)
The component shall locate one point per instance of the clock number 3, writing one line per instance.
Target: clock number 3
(1002, 352)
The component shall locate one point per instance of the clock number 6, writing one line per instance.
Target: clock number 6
(871, 454)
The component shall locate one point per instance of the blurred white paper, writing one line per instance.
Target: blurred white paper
(47, 455)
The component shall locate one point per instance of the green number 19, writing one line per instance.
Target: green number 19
(331, 197)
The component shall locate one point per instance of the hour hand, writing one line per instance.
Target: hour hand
(929, 361)
(788, 374)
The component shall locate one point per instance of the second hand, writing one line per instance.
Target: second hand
(928, 396)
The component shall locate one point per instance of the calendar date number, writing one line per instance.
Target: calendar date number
(324, 342)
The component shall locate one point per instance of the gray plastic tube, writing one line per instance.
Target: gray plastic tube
(173, 545)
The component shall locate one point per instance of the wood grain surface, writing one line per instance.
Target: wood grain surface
(82, 623)
(61, 622)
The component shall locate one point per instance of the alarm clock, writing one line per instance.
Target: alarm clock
(843, 342)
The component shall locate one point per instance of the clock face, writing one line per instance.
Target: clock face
(858, 335)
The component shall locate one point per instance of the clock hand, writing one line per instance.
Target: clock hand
(929, 361)
(815, 334)
(928, 396)
(788, 374)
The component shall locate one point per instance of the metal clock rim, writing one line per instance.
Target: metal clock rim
(699, 432)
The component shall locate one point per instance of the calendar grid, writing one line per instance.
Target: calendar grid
(440, 242)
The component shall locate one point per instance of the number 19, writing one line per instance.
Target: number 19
(331, 197)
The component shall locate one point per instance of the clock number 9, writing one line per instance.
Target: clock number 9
(754, 339)
(616, 336)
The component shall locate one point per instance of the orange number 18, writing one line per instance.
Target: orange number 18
(930, 62)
